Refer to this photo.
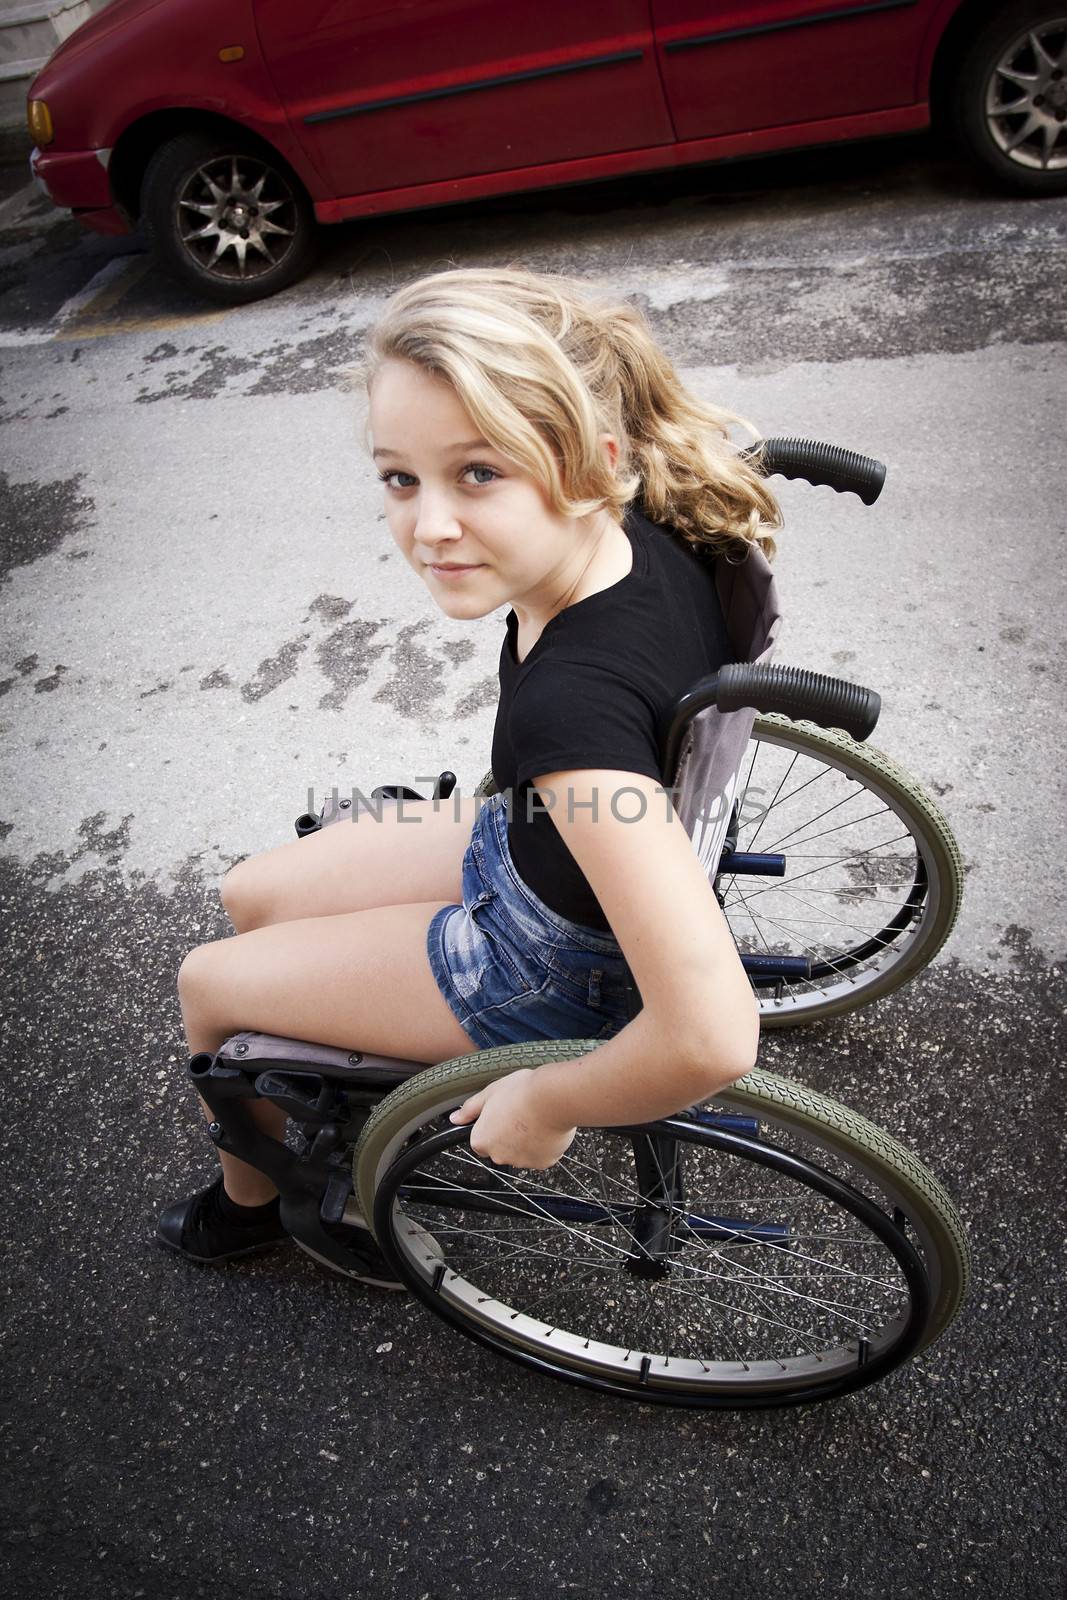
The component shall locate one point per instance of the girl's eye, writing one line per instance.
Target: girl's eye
(473, 466)
(476, 466)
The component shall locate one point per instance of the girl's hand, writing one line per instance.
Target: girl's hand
(508, 1127)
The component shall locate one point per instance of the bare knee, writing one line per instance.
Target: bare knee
(194, 974)
(241, 899)
(203, 996)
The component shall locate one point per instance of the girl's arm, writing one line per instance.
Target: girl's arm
(699, 1024)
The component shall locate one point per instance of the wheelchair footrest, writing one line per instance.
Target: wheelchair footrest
(336, 1195)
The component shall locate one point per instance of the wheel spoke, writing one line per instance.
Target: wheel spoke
(1045, 62)
(1050, 134)
(210, 230)
(826, 915)
(225, 242)
(840, 861)
(256, 242)
(1033, 121)
(790, 840)
(1026, 81)
(513, 1187)
(219, 195)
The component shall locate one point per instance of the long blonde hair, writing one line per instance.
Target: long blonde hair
(544, 368)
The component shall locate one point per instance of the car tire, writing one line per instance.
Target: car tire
(227, 216)
(1016, 129)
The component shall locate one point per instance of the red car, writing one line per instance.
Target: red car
(227, 129)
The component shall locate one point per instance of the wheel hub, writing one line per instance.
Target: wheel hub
(1056, 98)
(239, 215)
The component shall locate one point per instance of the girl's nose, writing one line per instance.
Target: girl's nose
(435, 519)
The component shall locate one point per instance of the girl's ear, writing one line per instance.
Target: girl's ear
(610, 446)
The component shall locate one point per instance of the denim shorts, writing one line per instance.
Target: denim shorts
(510, 967)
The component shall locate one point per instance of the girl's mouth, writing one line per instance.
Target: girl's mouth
(453, 572)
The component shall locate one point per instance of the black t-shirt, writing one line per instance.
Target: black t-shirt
(597, 690)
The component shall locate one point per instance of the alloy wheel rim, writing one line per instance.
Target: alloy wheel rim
(1026, 98)
(237, 218)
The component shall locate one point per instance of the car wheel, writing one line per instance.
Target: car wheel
(1009, 100)
(227, 217)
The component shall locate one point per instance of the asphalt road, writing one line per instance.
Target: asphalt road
(203, 618)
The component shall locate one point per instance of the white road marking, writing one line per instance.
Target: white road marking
(27, 205)
(84, 315)
(15, 338)
(104, 289)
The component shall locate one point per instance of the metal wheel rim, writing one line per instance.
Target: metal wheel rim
(237, 218)
(864, 1352)
(1026, 98)
(874, 952)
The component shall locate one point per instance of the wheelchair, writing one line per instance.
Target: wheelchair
(767, 1247)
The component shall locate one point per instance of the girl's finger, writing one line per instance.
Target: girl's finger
(468, 1110)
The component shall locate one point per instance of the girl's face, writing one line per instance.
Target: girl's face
(452, 500)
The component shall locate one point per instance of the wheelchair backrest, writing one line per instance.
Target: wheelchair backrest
(713, 748)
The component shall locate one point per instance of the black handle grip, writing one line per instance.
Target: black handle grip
(829, 464)
(796, 692)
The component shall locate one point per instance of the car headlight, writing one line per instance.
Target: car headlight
(40, 121)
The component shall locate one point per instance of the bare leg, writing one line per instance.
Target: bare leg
(296, 978)
(416, 856)
(245, 1185)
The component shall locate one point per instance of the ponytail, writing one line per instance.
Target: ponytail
(692, 478)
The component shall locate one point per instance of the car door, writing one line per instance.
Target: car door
(733, 66)
(394, 94)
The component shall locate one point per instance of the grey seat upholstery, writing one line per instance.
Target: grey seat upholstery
(709, 763)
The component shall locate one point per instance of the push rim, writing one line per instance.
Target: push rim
(1026, 98)
(237, 217)
(872, 882)
(673, 1262)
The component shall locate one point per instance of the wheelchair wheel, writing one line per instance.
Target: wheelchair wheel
(770, 1248)
(873, 876)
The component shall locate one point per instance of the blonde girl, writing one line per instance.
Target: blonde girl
(536, 451)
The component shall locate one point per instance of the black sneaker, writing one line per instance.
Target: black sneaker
(197, 1228)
